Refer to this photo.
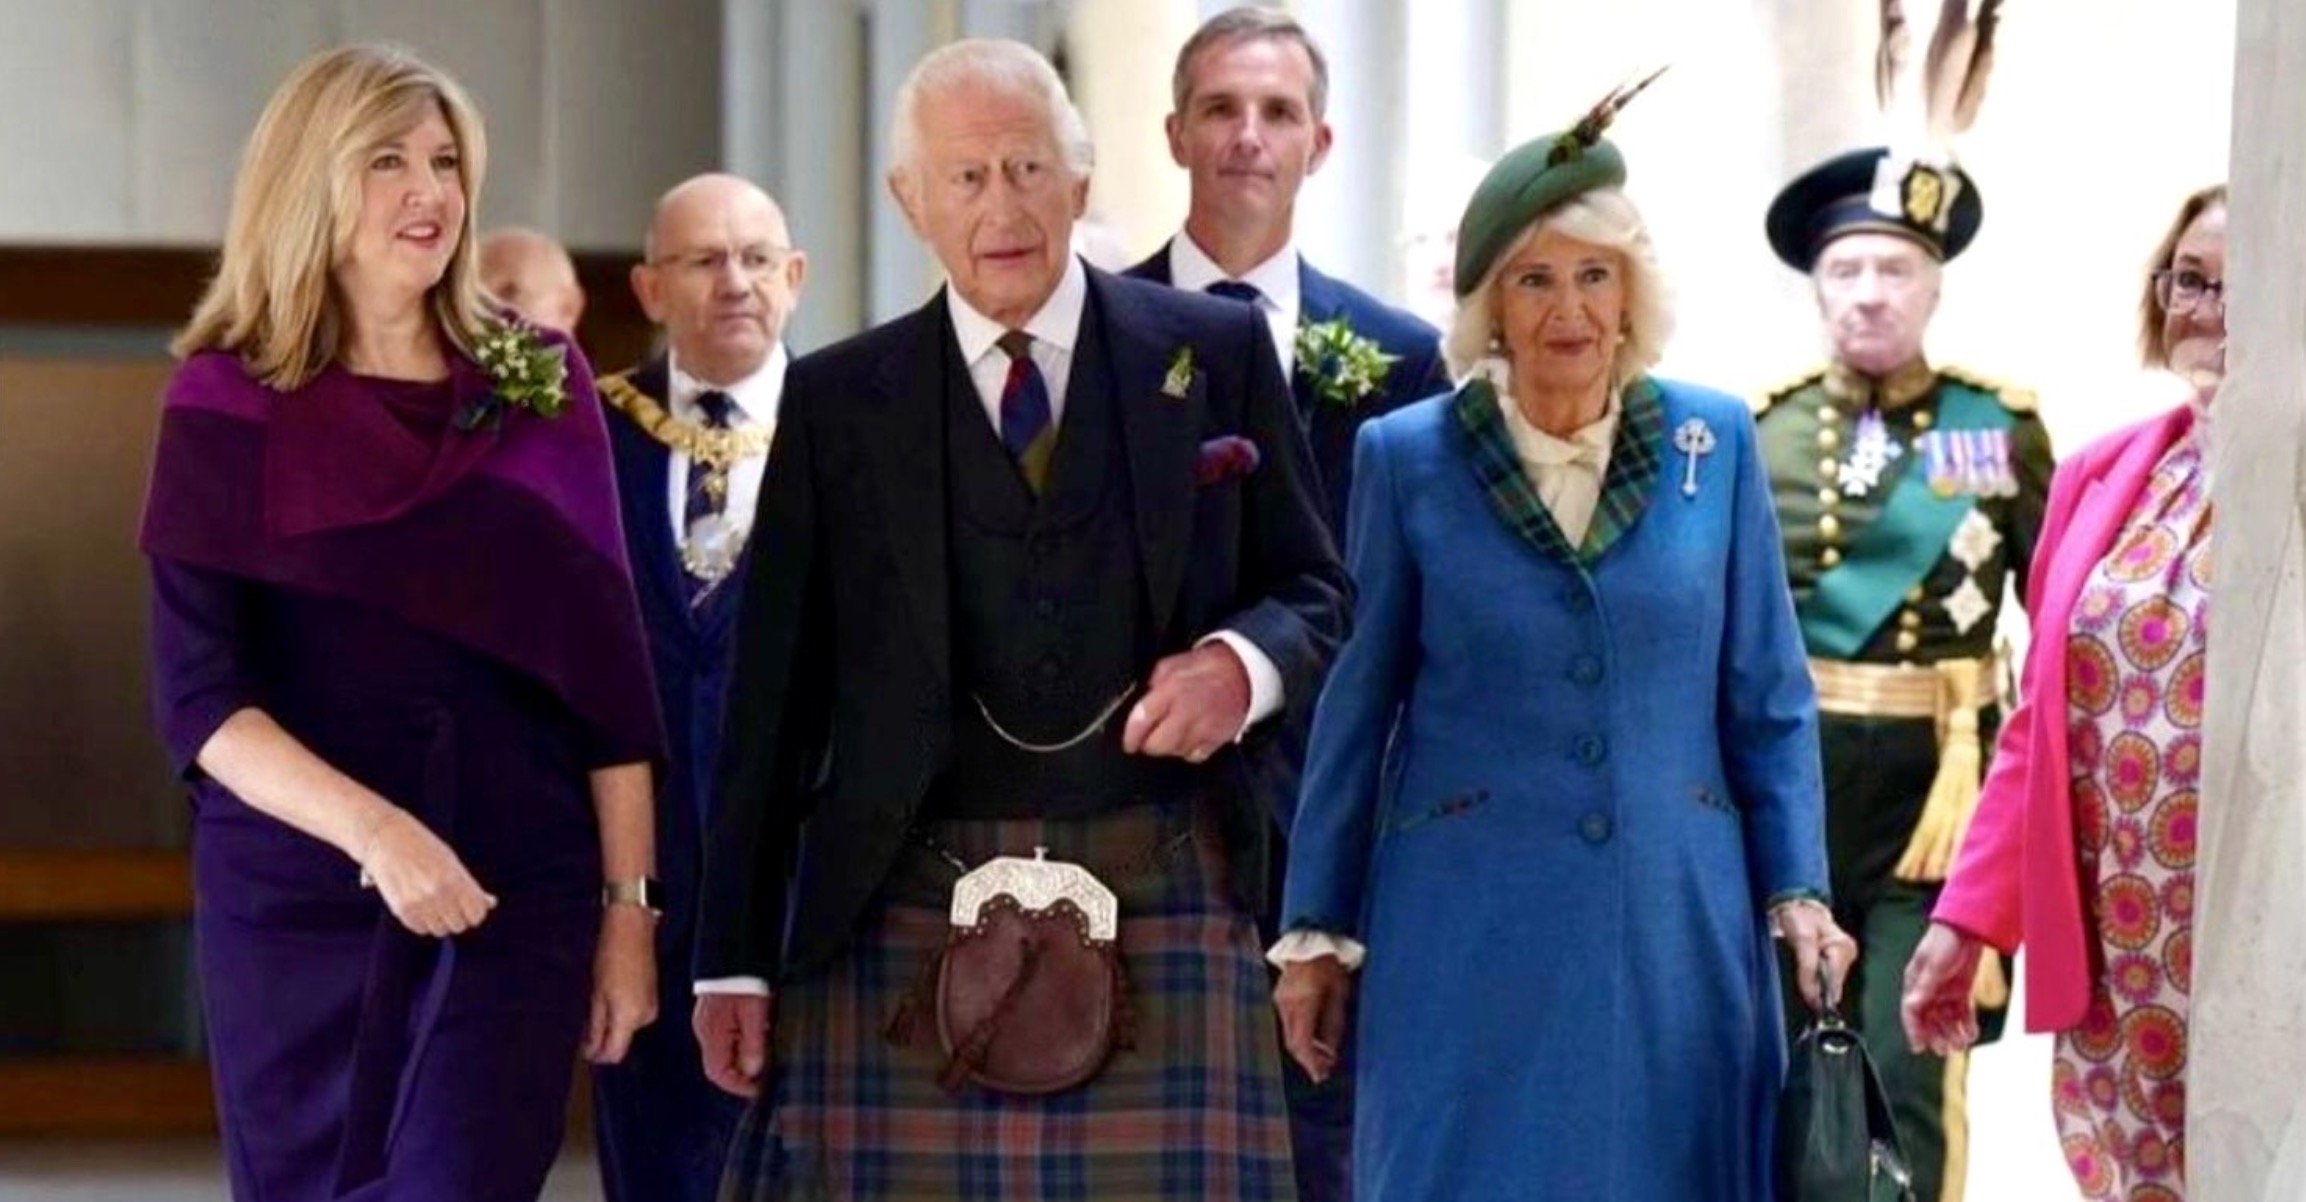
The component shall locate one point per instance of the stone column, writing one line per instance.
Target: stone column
(2246, 1104)
(793, 102)
(1120, 57)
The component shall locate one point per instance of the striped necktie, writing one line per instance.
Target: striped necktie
(708, 494)
(709, 489)
(1026, 426)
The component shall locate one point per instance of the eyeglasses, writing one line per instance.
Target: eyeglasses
(2183, 289)
(756, 261)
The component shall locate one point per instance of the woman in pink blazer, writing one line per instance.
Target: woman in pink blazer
(2082, 848)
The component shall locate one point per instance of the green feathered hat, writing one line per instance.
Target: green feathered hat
(1536, 177)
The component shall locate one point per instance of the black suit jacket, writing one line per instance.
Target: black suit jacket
(1331, 427)
(841, 713)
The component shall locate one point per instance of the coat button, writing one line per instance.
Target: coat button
(1045, 608)
(1585, 669)
(1594, 827)
(1051, 668)
(1591, 750)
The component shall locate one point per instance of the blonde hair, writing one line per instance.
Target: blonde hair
(296, 204)
(1603, 217)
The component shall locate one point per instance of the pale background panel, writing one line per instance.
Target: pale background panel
(499, 52)
(200, 75)
(633, 110)
(64, 72)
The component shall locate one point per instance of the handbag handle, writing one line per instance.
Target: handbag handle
(1829, 1012)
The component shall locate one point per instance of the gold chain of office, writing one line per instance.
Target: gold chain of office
(717, 450)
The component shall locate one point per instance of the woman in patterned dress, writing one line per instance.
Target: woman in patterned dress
(2083, 843)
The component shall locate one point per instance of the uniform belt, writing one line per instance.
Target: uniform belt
(1880, 690)
(1949, 693)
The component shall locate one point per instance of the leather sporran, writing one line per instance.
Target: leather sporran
(1028, 993)
(1836, 1139)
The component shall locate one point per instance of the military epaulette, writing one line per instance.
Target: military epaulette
(2012, 397)
(1761, 402)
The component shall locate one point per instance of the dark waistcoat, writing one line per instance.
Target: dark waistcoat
(1049, 615)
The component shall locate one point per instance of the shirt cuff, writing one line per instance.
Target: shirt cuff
(744, 986)
(1298, 946)
(1264, 679)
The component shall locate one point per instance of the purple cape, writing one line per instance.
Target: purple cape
(514, 526)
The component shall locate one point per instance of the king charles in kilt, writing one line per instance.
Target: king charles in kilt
(1037, 568)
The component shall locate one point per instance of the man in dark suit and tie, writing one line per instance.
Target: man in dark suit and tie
(720, 275)
(1040, 565)
(1250, 89)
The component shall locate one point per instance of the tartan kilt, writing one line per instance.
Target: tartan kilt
(1194, 1111)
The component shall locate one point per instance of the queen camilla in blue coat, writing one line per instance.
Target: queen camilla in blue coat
(1564, 780)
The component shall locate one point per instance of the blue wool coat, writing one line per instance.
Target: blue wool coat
(1607, 769)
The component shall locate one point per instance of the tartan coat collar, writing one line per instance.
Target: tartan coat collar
(1626, 487)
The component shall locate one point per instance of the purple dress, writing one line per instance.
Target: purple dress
(434, 612)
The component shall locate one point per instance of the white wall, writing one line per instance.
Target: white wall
(126, 117)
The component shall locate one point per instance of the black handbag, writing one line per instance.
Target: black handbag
(1836, 1140)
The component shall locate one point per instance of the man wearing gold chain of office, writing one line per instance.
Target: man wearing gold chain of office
(1909, 495)
(691, 429)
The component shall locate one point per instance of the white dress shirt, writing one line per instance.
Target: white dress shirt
(1276, 279)
(753, 406)
(1056, 331)
(1567, 472)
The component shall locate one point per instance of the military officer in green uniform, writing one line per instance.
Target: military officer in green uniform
(1910, 495)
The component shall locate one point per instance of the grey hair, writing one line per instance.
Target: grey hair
(1250, 23)
(1604, 217)
(996, 64)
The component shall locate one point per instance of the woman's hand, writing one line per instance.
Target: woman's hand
(1939, 1016)
(423, 883)
(1823, 952)
(624, 982)
(1311, 998)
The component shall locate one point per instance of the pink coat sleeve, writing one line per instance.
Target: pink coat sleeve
(1985, 894)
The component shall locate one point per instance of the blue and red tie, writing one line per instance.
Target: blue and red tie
(1026, 425)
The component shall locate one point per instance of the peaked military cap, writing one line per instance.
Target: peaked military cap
(1872, 191)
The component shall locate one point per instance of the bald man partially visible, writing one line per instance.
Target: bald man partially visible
(533, 274)
(720, 275)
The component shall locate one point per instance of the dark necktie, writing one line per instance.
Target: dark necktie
(708, 488)
(706, 538)
(1236, 290)
(1026, 428)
